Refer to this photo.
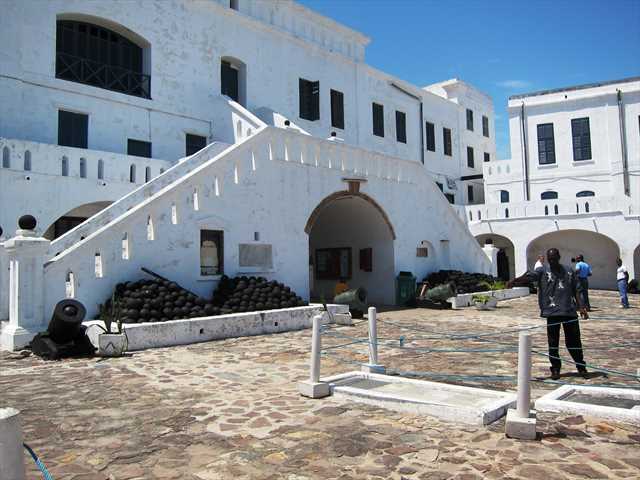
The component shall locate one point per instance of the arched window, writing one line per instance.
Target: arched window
(132, 173)
(504, 196)
(555, 209)
(6, 158)
(147, 174)
(27, 161)
(546, 209)
(549, 195)
(95, 55)
(83, 168)
(506, 213)
(585, 193)
(100, 169)
(586, 207)
(65, 167)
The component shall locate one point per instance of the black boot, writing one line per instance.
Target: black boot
(555, 374)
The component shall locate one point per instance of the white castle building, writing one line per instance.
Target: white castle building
(201, 138)
(573, 181)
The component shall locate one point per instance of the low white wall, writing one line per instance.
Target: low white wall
(194, 330)
(464, 299)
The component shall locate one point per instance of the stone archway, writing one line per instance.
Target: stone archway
(351, 237)
(73, 218)
(506, 254)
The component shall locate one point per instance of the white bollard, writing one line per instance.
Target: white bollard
(521, 423)
(373, 366)
(313, 388)
(11, 450)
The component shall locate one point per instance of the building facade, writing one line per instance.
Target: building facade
(573, 180)
(203, 138)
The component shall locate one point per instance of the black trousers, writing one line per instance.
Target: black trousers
(571, 328)
(583, 292)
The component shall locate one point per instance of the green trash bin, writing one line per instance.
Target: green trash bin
(405, 288)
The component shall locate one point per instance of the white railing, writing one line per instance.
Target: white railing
(34, 158)
(501, 169)
(548, 208)
(233, 123)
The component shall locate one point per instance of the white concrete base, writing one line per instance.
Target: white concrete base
(369, 368)
(464, 299)
(14, 338)
(314, 390)
(521, 428)
(193, 330)
(473, 406)
(554, 402)
(11, 450)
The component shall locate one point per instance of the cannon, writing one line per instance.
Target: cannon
(356, 299)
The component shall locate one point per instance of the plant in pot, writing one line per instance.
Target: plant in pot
(484, 302)
(110, 343)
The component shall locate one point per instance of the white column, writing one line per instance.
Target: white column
(314, 388)
(4, 284)
(492, 254)
(521, 422)
(373, 366)
(11, 450)
(26, 254)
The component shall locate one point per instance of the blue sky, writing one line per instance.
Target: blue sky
(501, 47)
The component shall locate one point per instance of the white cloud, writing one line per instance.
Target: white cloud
(514, 84)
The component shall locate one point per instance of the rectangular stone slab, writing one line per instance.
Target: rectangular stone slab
(474, 406)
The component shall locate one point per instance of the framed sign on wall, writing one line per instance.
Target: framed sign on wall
(333, 263)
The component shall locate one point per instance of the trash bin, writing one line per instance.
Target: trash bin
(405, 288)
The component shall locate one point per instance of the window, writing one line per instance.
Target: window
(132, 173)
(485, 126)
(470, 161)
(72, 129)
(211, 252)
(487, 157)
(139, 148)
(470, 193)
(546, 146)
(581, 139)
(333, 263)
(469, 119)
(229, 80)
(378, 119)
(309, 99)
(549, 195)
(97, 56)
(585, 193)
(100, 169)
(401, 127)
(431, 136)
(504, 196)
(450, 197)
(194, 143)
(83, 168)
(337, 109)
(446, 141)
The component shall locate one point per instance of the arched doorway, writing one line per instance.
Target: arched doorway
(351, 237)
(73, 218)
(599, 251)
(506, 254)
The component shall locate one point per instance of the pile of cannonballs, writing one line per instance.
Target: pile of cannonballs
(249, 294)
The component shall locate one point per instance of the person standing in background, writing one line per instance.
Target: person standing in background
(622, 279)
(539, 262)
(583, 272)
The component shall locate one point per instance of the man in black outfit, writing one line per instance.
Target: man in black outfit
(558, 300)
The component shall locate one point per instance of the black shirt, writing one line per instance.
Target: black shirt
(556, 291)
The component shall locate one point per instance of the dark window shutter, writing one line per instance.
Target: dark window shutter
(470, 159)
(72, 129)
(431, 136)
(337, 109)
(309, 93)
(378, 119)
(470, 193)
(546, 144)
(401, 127)
(139, 148)
(581, 139)
(194, 143)
(229, 81)
(485, 126)
(487, 157)
(469, 119)
(315, 100)
(446, 137)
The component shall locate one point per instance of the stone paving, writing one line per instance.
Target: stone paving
(230, 409)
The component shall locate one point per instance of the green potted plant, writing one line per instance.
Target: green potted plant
(484, 302)
(110, 343)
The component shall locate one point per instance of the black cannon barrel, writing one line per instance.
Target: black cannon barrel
(66, 321)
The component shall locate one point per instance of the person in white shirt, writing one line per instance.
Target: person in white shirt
(622, 278)
(539, 262)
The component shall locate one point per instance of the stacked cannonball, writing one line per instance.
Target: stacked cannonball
(147, 301)
(249, 294)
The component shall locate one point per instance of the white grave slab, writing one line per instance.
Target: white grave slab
(455, 403)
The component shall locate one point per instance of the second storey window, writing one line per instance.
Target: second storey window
(309, 99)
(139, 148)
(97, 56)
(469, 119)
(401, 127)
(229, 80)
(72, 129)
(337, 109)
(485, 126)
(194, 143)
(431, 136)
(446, 141)
(378, 119)
(581, 139)
(487, 157)
(470, 160)
(546, 146)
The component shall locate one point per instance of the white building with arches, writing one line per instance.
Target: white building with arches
(254, 130)
(573, 180)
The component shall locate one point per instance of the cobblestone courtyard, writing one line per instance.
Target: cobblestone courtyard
(230, 409)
